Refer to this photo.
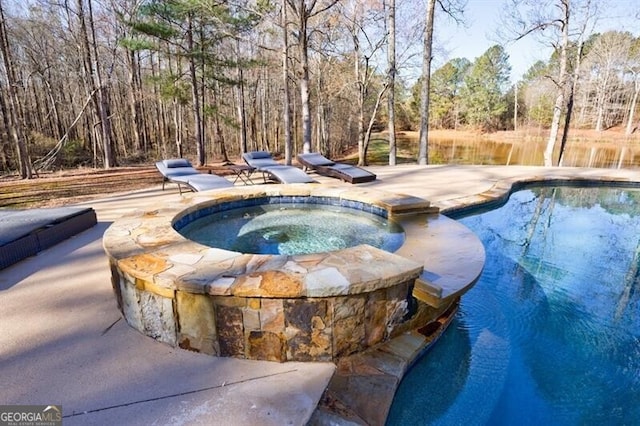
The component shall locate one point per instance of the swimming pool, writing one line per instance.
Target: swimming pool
(551, 332)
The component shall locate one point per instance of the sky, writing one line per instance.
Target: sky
(483, 18)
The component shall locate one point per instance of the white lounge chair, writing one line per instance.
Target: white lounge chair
(181, 172)
(264, 162)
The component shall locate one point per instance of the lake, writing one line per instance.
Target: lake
(528, 152)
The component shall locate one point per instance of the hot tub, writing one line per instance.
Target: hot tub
(306, 307)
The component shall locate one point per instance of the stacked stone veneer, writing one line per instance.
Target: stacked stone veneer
(315, 307)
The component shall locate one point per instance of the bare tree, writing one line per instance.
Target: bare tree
(304, 10)
(608, 58)
(562, 78)
(362, 24)
(633, 69)
(423, 151)
(579, 48)
(94, 78)
(570, 102)
(18, 128)
(242, 118)
(454, 9)
(286, 108)
(526, 17)
(391, 75)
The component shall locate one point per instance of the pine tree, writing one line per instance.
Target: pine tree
(483, 100)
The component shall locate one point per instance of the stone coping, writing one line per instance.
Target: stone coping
(452, 257)
(147, 247)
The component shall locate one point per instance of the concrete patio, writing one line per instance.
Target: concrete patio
(63, 341)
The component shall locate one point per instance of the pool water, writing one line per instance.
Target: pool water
(551, 332)
(292, 228)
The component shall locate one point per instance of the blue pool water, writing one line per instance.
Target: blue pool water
(550, 335)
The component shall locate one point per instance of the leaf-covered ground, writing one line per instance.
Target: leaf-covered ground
(52, 189)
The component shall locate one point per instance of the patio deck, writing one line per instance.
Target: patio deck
(63, 341)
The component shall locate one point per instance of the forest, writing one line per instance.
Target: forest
(103, 83)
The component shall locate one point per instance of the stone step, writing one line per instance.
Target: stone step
(407, 204)
(417, 210)
(452, 257)
(427, 292)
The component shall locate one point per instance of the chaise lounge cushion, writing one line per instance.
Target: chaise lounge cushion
(263, 162)
(181, 172)
(259, 159)
(254, 155)
(325, 167)
(176, 162)
(316, 159)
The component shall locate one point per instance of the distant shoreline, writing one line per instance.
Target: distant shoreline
(613, 135)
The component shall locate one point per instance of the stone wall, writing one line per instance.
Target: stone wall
(264, 328)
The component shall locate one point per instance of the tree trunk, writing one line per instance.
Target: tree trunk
(160, 120)
(515, 107)
(391, 58)
(264, 116)
(361, 85)
(567, 118)
(601, 100)
(89, 82)
(240, 105)
(322, 122)
(632, 108)
(37, 121)
(58, 127)
(103, 97)
(195, 97)
(17, 127)
(561, 86)
(423, 152)
(177, 110)
(133, 101)
(304, 87)
(286, 107)
(5, 137)
(219, 135)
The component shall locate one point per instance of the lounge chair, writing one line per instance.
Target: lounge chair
(325, 167)
(264, 162)
(181, 172)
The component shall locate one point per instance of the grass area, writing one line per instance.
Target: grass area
(378, 152)
(406, 150)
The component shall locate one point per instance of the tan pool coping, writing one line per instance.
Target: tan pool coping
(62, 340)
